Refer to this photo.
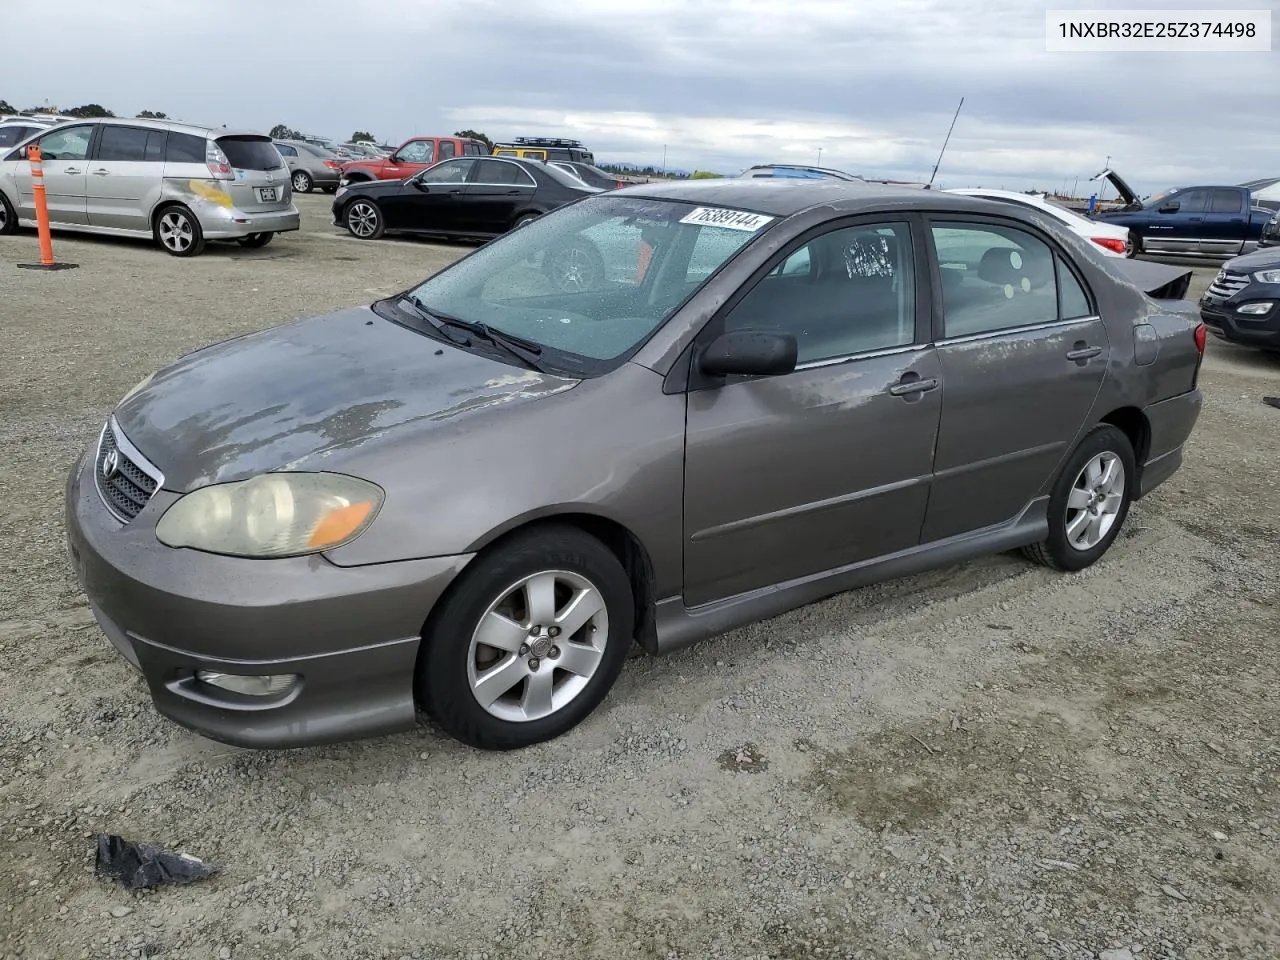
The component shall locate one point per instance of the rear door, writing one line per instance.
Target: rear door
(261, 183)
(1177, 223)
(65, 164)
(1225, 222)
(1023, 356)
(125, 176)
(497, 189)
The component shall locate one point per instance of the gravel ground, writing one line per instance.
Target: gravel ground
(986, 761)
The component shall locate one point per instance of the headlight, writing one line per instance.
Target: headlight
(137, 387)
(272, 515)
(1268, 276)
(340, 191)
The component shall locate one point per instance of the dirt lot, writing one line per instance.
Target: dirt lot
(988, 761)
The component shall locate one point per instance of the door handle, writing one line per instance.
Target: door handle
(72, 171)
(516, 192)
(101, 173)
(912, 384)
(1081, 353)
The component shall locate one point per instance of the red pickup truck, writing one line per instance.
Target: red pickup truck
(412, 156)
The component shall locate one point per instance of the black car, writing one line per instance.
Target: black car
(1243, 302)
(589, 174)
(478, 197)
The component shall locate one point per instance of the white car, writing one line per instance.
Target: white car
(1113, 240)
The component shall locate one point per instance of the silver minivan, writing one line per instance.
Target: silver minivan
(179, 183)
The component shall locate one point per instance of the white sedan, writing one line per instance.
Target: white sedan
(1113, 240)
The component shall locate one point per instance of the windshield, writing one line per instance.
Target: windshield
(592, 280)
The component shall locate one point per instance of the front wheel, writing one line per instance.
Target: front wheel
(528, 641)
(1089, 501)
(178, 231)
(364, 219)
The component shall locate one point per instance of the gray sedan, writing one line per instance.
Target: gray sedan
(648, 417)
(310, 165)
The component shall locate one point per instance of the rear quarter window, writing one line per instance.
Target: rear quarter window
(185, 148)
(251, 153)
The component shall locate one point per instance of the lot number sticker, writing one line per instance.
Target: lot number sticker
(729, 219)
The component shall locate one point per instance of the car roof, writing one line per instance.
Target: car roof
(784, 197)
(173, 126)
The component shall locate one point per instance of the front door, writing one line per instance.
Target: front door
(794, 475)
(65, 154)
(414, 157)
(1177, 223)
(430, 201)
(1023, 355)
(125, 177)
(498, 188)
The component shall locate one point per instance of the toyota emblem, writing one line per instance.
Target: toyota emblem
(110, 464)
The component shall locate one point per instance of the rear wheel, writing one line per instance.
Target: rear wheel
(301, 181)
(364, 219)
(1089, 501)
(255, 240)
(178, 231)
(8, 219)
(528, 641)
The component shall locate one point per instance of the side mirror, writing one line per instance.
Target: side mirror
(421, 184)
(759, 353)
(1170, 207)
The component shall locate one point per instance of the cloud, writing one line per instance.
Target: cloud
(720, 86)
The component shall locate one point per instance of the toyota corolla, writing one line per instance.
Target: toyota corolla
(648, 417)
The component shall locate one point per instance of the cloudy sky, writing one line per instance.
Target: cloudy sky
(720, 85)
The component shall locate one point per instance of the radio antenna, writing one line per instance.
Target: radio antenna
(944, 146)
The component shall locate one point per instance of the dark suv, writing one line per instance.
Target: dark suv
(1242, 304)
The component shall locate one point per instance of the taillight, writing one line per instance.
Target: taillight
(333, 164)
(1110, 243)
(619, 184)
(217, 162)
(1201, 335)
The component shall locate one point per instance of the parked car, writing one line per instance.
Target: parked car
(365, 150)
(310, 166)
(14, 130)
(590, 174)
(1242, 304)
(544, 149)
(463, 197)
(1201, 221)
(475, 496)
(179, 183)
(1111, 239)
(794, 171)
(410, 158)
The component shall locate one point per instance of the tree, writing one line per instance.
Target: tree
(474, 135)
(7, 107)
(705, 175)
(363, 136)
(152, 115)
(90, 110)
(281, 132)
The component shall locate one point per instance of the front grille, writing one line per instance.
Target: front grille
(1272, 230)
(126, 481)
(1227, 284)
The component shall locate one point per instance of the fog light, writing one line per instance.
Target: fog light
(250, 686)
(1257, 309)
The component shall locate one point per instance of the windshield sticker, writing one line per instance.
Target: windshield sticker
(729, 219)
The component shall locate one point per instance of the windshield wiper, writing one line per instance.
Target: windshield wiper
(436, 322)
(526, 351)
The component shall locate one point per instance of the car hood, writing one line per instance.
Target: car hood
(1264, 258)
(297, 396)
(375, 186)
(1123, 189)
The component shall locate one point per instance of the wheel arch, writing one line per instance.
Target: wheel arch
(1133, 423)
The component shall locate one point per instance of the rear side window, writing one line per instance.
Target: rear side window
(250, 153)
(993, 278)
(1224, 201)
(471, 149)
(1073, 302)
(448, 150)
(286, 150)
(499, 171)
(128, 144)
(185, 148)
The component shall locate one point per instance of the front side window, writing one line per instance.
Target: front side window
(69, 144)
(592, 280)
(123, 143)
(420, 151)
(848, 291)
(1193, 201)
(448, 171)
(995, 278)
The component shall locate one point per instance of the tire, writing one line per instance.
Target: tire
(363, 219)
(331, 189)
(178, 231)
(8, 217)
(494, 589)
(302, 182)
(1137, 246)
(574, 267)
(1076, 494)
(255, 240)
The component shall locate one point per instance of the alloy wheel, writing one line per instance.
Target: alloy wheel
(301, 182)
(1095, 501)
(176, 232)
(538, 645)
(362, 218)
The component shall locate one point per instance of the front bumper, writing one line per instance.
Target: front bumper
(1223, 320)
(230, 223)
(351, 634)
